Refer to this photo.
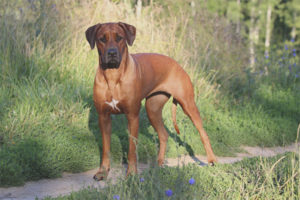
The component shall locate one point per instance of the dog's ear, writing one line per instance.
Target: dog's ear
(129, 31)
(90, 34)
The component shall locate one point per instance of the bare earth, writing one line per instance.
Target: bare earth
(74, 182)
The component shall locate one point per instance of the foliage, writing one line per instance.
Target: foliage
(284, 18)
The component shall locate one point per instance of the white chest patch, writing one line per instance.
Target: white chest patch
(113, 104)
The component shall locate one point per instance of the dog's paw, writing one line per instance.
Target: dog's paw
(212, 160)
(101, 175)
(131, 171)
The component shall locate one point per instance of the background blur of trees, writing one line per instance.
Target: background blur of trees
(266, 25)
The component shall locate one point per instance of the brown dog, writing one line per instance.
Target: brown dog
(123, 80)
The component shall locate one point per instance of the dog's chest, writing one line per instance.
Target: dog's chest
(113, 104)
(109, 100)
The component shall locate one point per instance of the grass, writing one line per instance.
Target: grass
(251, 178)
(48, 123)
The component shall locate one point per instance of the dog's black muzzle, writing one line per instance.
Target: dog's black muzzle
(112, 59)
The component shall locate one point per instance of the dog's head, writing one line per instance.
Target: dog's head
(111, 40)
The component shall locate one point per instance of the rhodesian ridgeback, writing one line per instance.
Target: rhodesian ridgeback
(123, 80)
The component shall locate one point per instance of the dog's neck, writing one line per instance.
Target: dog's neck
(116, 74)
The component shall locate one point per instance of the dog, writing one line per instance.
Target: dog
(123, 80)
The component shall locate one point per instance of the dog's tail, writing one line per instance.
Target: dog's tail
(174, 107)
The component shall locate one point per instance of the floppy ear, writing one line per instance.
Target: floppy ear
(90, 34)
(130, 32)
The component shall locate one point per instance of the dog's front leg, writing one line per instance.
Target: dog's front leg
(133, 127)
(105, 128)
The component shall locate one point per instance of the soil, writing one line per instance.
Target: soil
(74, 182)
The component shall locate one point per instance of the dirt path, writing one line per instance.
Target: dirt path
(74, 182)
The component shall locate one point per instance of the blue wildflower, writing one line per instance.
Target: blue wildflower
(297, 76)
(294, 50)
(290, 68)
(294, 54)
(169, 193)
(142, 180)
(266, 56)
(286, 47)
(282, 57)
(192, 181)
(294, 64)
(116, 197)
(292, 40)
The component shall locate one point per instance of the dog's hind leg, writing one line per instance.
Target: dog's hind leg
(184, 95)
(190, 109)
(154, 106)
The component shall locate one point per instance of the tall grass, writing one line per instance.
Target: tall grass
(47, 120)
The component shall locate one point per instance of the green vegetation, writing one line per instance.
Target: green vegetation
(254, 178)
(47, 120)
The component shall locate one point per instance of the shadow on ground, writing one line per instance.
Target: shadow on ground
(119, 129)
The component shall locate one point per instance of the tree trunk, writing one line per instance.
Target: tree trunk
(293, 33)
(138, 9)
(238, 24)
(253, 31)
(251, 34)
(193, 8)
(268, 29)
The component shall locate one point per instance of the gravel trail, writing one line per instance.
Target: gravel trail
(74, 182)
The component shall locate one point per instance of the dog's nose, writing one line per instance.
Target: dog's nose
(112, 52)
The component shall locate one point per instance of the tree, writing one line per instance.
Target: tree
(293, 17)
(253, 29)
(234, 13)
(268, 10)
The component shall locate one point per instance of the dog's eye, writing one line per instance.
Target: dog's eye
(118, 38)
(103, 39)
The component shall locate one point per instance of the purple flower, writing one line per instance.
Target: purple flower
(292, 40)
(116, 197)
(294, 64)
(266, 56)
(282, 57)
(294, 54)
(142, 180)
(297, 75)
(294, 50)
(286, 47)
(192, 181)
(169, 193)
(290, 68)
